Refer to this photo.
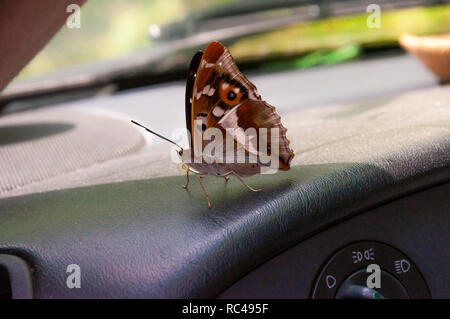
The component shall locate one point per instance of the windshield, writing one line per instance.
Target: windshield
(127, 44)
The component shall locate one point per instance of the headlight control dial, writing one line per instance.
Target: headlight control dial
(370, 270)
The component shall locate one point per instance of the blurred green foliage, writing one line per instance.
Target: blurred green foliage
(111, 28)
(318, 57)
(334, 33)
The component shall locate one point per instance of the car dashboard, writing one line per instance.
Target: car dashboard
(369, 185)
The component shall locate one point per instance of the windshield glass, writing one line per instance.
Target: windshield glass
(282, 34)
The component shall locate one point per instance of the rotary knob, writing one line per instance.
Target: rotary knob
(369, 270)
(355, 287)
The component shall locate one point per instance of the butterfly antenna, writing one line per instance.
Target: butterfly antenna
(150, 131)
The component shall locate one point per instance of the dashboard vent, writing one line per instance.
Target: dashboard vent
(5, 284)
(15, 278)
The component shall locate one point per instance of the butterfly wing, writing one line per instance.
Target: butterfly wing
(263, 117)
(218, 70)
(192, 74)
(224, 98)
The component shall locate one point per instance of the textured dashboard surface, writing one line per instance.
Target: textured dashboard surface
(404, 126)
(41, 144)
(150, 238)
(380, 83)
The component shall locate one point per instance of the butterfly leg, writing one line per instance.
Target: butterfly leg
(204, 190)
(187, 180)
(243, 182)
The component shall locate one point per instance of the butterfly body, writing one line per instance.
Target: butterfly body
(220, 170)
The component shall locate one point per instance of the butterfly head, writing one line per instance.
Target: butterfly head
(184, 155)
(181, 154)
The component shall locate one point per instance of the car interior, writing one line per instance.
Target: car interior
(85, 192)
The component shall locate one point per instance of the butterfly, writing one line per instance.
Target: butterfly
(219, 97)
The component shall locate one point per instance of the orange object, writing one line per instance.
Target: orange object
(433, 51)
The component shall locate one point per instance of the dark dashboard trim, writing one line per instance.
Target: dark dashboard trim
(149, 239)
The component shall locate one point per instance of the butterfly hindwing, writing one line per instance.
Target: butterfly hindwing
(263, 118)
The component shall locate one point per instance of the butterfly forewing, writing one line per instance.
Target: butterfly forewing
(192, 74)
(218, 85)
